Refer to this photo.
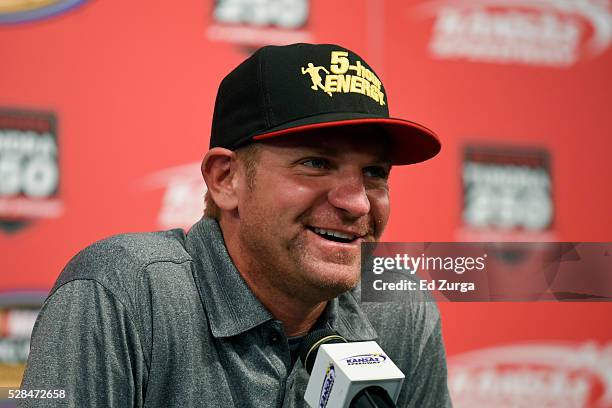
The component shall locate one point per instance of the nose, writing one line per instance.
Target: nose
(349, 195)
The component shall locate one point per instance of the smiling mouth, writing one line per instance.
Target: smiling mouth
(334, 236)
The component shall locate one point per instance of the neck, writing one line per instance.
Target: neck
(297, 314)
(297, 319)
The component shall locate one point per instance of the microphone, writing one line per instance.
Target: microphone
(348, 375)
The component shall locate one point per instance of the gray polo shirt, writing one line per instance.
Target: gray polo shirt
(164, 319)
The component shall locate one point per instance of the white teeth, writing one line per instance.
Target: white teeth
(334, 234)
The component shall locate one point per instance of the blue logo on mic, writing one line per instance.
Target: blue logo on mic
(362, 359)
(328, 383)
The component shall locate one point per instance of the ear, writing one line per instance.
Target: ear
(218, 170)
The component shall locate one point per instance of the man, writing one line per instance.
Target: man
(297, 180)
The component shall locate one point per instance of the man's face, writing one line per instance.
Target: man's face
(316, 197)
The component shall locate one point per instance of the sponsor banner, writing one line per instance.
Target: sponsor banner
(507, 191)
(475, 272)
(537, 374)
(19, 11)
(29, 168)
(544, 33)
(18, 312)
(254, 23)
(183, 200)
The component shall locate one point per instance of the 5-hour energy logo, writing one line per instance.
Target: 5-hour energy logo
(338, 80)
(29, 167)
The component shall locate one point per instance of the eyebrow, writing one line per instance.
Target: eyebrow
(383, 158)
(326, 151)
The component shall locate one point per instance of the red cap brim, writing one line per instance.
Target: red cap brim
(410, 142)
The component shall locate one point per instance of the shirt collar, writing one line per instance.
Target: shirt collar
(344, 315)
(231, 306)
(229, 303)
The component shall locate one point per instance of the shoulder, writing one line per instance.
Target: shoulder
(123, 284)
(118, 262)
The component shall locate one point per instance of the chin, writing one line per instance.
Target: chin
(333, 280)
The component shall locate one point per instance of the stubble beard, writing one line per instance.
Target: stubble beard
(341, 275)
(290, 268)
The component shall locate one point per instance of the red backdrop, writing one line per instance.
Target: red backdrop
(132, 86)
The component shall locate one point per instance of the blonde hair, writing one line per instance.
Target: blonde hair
(249, 157)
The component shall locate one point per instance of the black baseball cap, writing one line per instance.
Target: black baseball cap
(282, 90)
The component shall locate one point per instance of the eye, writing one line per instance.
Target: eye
(377, 172)
(316, 163)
